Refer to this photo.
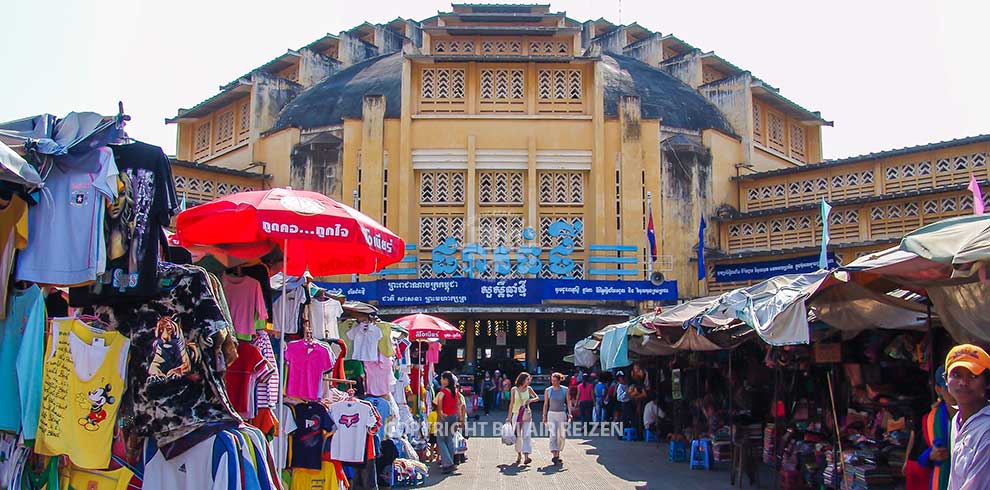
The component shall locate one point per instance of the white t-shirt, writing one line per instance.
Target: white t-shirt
(194, 467)
(293, 299)
(365, 341)
(652, 413)
(351, 420)
(970, 446)
(323, 317)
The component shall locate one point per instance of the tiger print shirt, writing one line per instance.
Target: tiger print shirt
(172, 377)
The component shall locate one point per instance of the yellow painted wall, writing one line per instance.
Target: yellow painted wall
(726, 153)
(275, 150)
(236, 159)
(570, 134)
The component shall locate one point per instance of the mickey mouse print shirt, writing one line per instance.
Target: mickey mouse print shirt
(352, 420)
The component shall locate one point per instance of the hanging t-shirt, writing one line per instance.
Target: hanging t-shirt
(22, 344)
(313, 424)
(293, 301)
(82, 384)
(174, 359)
(385, 346)
(364, 338)
(384, 408)
(351, 420)
(323, 317)
(67, 246)
(83, 479)
(146, 202)
(13, 236)
(249, 370)
(266, 394)
(399, 388)
(213, 464)
(261, 274)
(324, 478)
(433, 353)
(246, 302)
(378, 376)
(307, 361)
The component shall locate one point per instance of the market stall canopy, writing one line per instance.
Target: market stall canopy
(960, 240)
(775, 308)
(15, 169)
(688, 313)
(428, 327)
(69, 141)
(584, 352)
(852, 307)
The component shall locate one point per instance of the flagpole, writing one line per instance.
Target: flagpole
(649, 246)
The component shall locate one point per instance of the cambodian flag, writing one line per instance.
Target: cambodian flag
(652, 237)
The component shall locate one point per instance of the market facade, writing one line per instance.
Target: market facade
(523, 154)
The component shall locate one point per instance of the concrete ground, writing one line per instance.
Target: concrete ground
(590, 463)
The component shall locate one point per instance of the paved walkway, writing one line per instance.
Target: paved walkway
(589, 464)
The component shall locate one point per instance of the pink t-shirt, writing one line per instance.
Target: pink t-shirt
(244, 299)
(377, 375)
(433, 353)
(307, 363)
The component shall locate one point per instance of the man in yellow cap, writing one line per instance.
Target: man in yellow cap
(967, 370)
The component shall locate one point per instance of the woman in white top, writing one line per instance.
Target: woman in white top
(521, 417)
(555, 414)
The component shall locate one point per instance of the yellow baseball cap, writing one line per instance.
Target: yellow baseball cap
(968, 356)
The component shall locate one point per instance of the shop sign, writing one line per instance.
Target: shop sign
(675, 384)
(562, 337)
(525, 260)
(525, 291)
(750, 271)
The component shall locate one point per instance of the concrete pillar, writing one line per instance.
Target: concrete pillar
(601, 166)
(269, 95)
(532, 194)
(686, 68)
(372, 154)
(472, 192)
(531, 346)
(469, 349)
(631, 151)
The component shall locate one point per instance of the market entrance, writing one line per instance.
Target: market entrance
(514, 344)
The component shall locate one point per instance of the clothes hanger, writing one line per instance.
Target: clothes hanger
(93, 319)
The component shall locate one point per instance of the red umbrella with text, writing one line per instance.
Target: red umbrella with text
(428, 327)
(314, 232)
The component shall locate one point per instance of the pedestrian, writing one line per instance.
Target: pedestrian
(610, 402)
(600, 389)
(586, 398)
(521, 416)
(556, 416)
(449, 404)
(926, 466)
(627, 408)
(505, 393)
(488, 392)
(969, 380)
(652, 414)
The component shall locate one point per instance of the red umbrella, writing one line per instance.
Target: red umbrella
(313, 231)
(424, 327)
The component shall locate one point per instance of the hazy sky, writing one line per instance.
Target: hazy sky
(889, 73)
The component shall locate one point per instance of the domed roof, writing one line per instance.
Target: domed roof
(661, 96)
(341, 95)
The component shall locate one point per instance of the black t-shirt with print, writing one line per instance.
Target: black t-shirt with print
(172, 368)
(312, 426)
(133, 231)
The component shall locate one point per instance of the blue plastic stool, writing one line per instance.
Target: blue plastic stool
(677, 452)
(630, 435)
(701, 454)
(651, 436)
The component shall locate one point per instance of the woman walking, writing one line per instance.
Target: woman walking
(521, 417)
(556, 416)
(449, 404)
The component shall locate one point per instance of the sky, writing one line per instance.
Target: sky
(888, 73)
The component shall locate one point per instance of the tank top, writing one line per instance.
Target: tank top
(82, 383)
(557, 399)
(449, 403)
(521, 396)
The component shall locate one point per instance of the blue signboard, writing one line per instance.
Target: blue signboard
(766, 269)
(524, 291)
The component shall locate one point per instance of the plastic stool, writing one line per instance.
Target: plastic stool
(701, 454)
(629, 435)
(677, 452)
(651, 436)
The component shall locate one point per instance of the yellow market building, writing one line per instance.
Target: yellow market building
(510, 143)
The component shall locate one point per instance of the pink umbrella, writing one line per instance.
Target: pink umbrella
(427, 327)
